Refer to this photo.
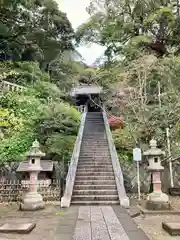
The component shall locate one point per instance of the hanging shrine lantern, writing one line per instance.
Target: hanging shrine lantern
(115, 122)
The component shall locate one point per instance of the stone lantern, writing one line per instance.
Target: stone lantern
(156, 200)
(33, 200)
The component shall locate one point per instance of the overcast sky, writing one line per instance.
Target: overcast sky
(76, 12)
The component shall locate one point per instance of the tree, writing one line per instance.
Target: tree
(29, 29)
(122, 26)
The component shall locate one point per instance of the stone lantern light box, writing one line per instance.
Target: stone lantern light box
(154, 155)
(34, 157)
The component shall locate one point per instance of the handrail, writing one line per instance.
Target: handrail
(12, 86)
(124, 200)
(102, 107)
(70, 179)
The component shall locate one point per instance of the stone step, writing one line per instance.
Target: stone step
(91, 139)
(95, 182)
(83, 164)
(86, 159)
(95, 192)
(87, 174)
(94, 178)
(94, 144)
(101, 140)
(98, 187)
(96, 123)
(95, 156)
(94, 126)
(95, 163)
(94, 148)
(99, 135)
(81, 203)
(92, 130)
(95, 153)
(94, 118)
(94, 169)
(95, 159)
(95, 197)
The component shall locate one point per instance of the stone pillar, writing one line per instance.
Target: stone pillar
(33, 187)
(157, 200)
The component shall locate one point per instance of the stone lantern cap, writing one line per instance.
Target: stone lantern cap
(153, 151)
(35, 150)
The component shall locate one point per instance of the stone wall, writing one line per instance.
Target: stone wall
(130, 176)
(14, 190)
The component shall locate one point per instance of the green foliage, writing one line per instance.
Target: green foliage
(33, 30)
(57, 129)
(48, 91)
(15, 147)
(60, 147)
(59, 117)
(54, 124)
(116, 24)
(8, 121)
(37, 112)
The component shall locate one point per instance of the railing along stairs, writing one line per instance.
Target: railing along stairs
(70, 179)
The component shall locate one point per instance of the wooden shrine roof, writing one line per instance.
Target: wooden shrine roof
(86, 89)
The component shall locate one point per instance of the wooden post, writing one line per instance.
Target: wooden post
(159, 94)
(169, 155)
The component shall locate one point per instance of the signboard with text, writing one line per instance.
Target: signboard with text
(137, 155)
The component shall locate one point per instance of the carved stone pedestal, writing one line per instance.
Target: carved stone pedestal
(32, 201)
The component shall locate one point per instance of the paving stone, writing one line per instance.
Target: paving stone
(17, 228)
(83, 225)
(101, 223)
(100, 234)
(83, 232)
(63, 237)
(65, 229)
(137, 235)
(173, 228)
(131, 228)
(115, 229)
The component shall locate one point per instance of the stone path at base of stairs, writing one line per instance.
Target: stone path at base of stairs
(106, 223)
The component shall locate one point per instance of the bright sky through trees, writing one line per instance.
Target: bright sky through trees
(76, 12)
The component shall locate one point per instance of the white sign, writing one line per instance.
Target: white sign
(137, 155)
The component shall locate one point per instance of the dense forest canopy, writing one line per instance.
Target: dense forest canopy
(140, 74)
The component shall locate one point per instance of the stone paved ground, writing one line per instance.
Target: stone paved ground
(106, 223)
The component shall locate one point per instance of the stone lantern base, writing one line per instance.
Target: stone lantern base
(158, 201)
(32, 201)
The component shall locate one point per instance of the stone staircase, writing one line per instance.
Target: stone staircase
(95, 182)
